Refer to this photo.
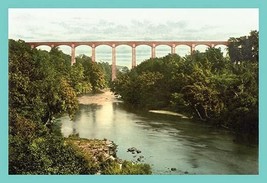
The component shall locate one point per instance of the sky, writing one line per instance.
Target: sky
(130, 24)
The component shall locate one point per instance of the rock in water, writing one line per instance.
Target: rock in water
(132, 149)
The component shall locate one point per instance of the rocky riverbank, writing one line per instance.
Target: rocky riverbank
(102, 158)
(97, 152)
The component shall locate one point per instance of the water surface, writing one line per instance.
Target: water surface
(165, 141)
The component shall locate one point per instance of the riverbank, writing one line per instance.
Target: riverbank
(96, 152)
(99, 98)
(101, 157)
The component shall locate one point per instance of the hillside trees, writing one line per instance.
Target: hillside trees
(42, 85)
(38, 90)
(207, 85)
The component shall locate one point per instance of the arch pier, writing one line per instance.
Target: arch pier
(132, 44)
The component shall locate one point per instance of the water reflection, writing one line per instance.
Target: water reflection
(166, 142)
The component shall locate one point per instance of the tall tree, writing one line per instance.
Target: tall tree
(244, 48)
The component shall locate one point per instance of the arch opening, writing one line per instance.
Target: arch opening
(65, 49)
(143, 52)
(43, 47)
(223, 48)
(183, 50)
(124, 56)
(162, 50)
(201, 48)
(103, 53)
(83, 50)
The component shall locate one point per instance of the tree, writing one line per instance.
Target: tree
(244, 48)
(106, 68)
(93, 73)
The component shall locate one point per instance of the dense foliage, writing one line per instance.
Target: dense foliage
(244, 48)
(206, 86)
(43, 85)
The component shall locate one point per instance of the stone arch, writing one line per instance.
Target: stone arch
(223, 49)
(43, 47)
(143, 52)
(183, 50)
(124, 55)
(64, 48)
(109, 44)
(162, 50)
(103, 53)
(144, 43)
(201, 47)
(83, 49)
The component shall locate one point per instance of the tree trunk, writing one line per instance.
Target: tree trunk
(199, 115)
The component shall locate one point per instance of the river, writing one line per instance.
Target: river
(170, 144)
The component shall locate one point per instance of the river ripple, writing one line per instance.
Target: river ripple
(166, 142)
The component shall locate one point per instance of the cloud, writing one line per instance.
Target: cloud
(124, 24)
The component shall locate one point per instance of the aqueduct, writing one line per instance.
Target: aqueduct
(132, 44)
